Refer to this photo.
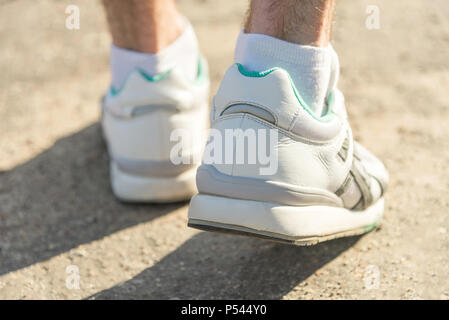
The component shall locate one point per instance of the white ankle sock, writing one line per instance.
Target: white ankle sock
(309, 67)
(335, 70)
(182, 54)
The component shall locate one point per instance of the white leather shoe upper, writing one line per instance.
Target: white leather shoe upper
(139, 118)
(315, 154)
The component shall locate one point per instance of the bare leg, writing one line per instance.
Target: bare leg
(293, 35)
(306, 22)
(143, 25)
(150, 35)
(154, 62)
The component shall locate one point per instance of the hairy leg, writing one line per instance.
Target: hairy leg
(143, 25)
(306, 22)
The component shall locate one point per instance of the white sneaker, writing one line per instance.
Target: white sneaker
(138, 120)
(325, 185)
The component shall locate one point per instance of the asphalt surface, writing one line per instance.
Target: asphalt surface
(56, 206)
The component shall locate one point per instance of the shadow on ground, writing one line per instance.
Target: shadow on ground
(218, 266)
(61, 199)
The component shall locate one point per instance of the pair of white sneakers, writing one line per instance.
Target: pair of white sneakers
(318, 184)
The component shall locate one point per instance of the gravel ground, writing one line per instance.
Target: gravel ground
(56, 207)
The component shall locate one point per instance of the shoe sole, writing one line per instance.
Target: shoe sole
(133, 188)
(303, 226)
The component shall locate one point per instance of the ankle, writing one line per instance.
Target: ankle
(153, 35)
(168, 27)
(300, 22)
(182, 53)
(308, 66)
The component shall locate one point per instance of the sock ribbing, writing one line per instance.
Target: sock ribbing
(309, 67)
(182, 54)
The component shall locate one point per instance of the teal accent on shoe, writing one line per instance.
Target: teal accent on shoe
(328, 116)
(371, 227)
(200, 77)
(254, 74)
(144, 75)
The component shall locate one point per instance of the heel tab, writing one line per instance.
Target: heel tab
(254, 74)
(138, 74)
(270, 90)
(240, 69)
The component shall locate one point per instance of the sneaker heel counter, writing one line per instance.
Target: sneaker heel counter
(156, 135)
(242, 144)
(271, 92)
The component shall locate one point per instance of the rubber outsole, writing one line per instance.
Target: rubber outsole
(241, 231)
(289, 225)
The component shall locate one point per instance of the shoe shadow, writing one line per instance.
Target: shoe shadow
(61, 199)
(218, 266)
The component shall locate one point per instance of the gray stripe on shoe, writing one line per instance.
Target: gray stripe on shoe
(344, 185)
(343, 153)
(210, 181)
(149, 168)
(362, 180)
(254, 110)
